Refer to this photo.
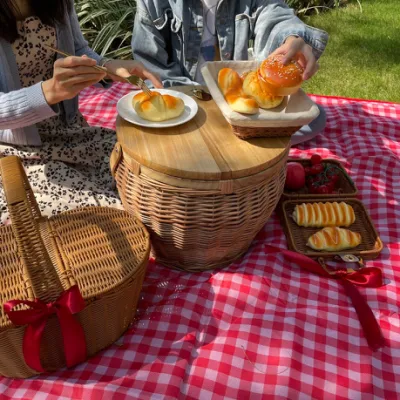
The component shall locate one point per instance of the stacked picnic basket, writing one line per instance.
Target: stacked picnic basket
(70, 284)
(202, 192)
(89, 262)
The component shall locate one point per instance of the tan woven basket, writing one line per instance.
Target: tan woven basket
(197, 225)
(295, 111)
(297, 236)
(103, 251)
(244, 132)
(345, 187)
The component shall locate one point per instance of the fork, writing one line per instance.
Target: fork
(132, 79)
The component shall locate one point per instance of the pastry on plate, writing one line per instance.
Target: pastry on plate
(158, 107)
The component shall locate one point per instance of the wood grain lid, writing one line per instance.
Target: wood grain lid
(204, 148)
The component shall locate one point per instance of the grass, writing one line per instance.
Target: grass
(362, 58)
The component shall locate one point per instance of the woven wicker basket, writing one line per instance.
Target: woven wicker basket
(295, 111)
(345, 187)
(103, 251)
(197, 225)
(297, 236)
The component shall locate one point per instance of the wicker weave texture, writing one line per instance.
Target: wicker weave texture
(253, 132)
(297, 236)
(194, 229)
(102, 250)
(345, 185)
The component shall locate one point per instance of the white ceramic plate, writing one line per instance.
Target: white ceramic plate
(127, 112)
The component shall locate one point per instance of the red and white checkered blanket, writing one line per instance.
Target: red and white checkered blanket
(261, 328)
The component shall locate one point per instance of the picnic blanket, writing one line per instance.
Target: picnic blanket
(262, 327)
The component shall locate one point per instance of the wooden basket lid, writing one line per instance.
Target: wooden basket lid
(204, 148)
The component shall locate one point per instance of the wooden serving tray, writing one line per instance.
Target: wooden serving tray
(346, 186)
(297, 236)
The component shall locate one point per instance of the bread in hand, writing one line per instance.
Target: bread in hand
(334, 239)
(318, 215)
(158, 107)
(230, 84)
(256, 88)
(282, 80)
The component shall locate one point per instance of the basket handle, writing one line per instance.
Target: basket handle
(40, 278)
(16, 185)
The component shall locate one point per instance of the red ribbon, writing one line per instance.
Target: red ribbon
(70, 302)
(367, 277)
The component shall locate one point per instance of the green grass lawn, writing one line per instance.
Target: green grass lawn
(362, 58)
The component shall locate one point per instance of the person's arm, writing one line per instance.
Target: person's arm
(122, 67)
(276, 22)
(28, 106)
(24, 107)
(150, 47)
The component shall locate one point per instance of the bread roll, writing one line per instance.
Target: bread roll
(281, 80)
(254, 87)
(230, 84)
(318, 215)
(229, 80)
(334, 239)
(157, 107)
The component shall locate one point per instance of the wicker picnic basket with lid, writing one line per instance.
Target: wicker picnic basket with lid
(100, 252)
(296, 110)
(203, 193)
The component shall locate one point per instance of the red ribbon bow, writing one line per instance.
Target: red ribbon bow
(367, 277)
(70, 302)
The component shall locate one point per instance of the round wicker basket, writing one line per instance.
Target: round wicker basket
(202, 192)
(197, 225)
(101, 250)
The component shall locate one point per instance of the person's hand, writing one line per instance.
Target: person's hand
(295, 48)
(71, 75)
(125, 68)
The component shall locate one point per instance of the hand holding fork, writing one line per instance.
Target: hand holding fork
(72, 74)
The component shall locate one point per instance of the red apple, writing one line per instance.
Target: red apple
(295, 176)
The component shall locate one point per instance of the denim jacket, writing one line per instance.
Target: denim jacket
(167, 33)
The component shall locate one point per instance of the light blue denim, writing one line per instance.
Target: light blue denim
(167, 33)
(22, 108)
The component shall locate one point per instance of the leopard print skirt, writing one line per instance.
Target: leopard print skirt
(71, 168)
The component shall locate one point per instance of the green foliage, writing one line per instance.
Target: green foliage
(362, 58)
(306, 7)
(107, 25)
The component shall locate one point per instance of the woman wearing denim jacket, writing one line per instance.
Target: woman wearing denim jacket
(66, 160)
(174, 37)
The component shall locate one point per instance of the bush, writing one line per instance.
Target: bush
(304, 7)
(107, 25)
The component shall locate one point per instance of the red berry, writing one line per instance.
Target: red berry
(307, 170)
(323, 189)
(330, 185)
(334, 178)
(316, 159)
(316, 169)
